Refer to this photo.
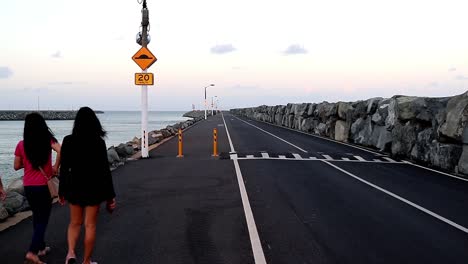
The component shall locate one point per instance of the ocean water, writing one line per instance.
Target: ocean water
(121, 127)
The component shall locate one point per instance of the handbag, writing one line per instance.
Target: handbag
(52, 183)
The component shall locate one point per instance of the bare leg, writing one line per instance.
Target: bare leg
(90, 235)
(76, 220)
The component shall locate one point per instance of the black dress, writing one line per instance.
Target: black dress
(85, 177)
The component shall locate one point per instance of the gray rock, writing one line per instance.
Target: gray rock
(16, 186)
(124, 150)
(343, 109)
(456, 118)
(13, 202)
(3, 213)
(165, 133)
(311, 109)
(112, 155)
(372, 105)
(381, 138)
(404, 138)
(391, 114)
(377, 119)
(446, 156)
(309, 124)
(320, 129)
(422, 148)
(463, 162)
(361, 131)
(301, 110)
(465, 135)
(341, 131)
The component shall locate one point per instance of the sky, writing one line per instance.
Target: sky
(63, 54)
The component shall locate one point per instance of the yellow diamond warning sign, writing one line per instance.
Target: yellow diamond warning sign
(144, 58)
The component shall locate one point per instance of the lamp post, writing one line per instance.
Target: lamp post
(205, 97)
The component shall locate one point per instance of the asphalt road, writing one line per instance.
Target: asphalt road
(275, 196)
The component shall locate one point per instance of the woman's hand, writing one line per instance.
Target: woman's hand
(110, 206)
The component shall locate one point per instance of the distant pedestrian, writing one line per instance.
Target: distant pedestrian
(85, 180)
(2, 191)
(34, 154)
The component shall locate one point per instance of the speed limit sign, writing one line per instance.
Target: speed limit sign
(144, 79)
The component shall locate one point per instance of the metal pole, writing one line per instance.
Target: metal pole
(205, 103)
(144, 88)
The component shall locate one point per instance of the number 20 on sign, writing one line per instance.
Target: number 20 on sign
(144, 79)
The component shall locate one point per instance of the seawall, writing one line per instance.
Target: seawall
(430, 131)
(48, 115)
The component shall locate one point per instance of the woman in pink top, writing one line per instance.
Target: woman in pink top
(34, 154)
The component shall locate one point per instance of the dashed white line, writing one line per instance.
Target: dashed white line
(327, 157)
(346, 159)
(359, 158)
(296, 156)
(265, 155)
(259, 256)
(388, 159)
(282, 157)
(250, 156)
(441, 218)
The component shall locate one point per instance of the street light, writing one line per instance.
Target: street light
(205, 97)
(212, 103)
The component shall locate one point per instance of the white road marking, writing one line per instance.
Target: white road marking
(233, 156)
(250, 156)
(272, 135)
(359, 158)
(259, 256)
(443, 173)
(282, 157)
(296, 156)
(389, 159)
(441, 218)
(265, 155)
(327, 157)
(380, 160)
(345, 159)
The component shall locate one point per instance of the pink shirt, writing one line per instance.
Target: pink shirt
(33, 177)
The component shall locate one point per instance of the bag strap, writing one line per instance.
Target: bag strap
(43, 173)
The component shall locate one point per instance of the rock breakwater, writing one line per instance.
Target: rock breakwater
(431, 131)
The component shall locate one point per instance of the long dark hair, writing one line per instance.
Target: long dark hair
(87, 126)
(37, 138)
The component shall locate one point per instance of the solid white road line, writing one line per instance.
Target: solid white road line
(443, 173)
(250, 156)
(272, 135)
(441, 218)
(259, 256)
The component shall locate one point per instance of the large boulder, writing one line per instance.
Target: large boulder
(320, 129)
(14, 202)
(3, 213)
(309, 124)
(372, 105)
(463, 162)
(343, 109)
(361, 131)
(124, 150)
(381, 138)
(166, 133)
(16, 186)
(456, 118)
(404, 138)
(446, 156)
(112, 156)
(341, 131)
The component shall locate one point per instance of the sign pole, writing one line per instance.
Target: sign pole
(144, 88)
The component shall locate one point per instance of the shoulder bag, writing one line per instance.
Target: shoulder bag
(52, 183)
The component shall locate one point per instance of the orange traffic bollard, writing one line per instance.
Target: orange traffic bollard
(215, 142)
(180, 144)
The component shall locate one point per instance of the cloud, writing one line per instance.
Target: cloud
(222, 49)
(433, 85)
(461, 78)
(57, 55)
(294, 50)
(5, 72)
(452, 69)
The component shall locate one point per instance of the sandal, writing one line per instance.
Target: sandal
(32, 259)
(70, 260)
(44, 252)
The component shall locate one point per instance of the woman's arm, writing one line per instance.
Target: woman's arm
(57, 148)
(18, 163)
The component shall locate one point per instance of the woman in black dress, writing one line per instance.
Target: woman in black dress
(85, 180)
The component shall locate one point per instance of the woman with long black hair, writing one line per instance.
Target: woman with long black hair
(85, 180)
(34, 154)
